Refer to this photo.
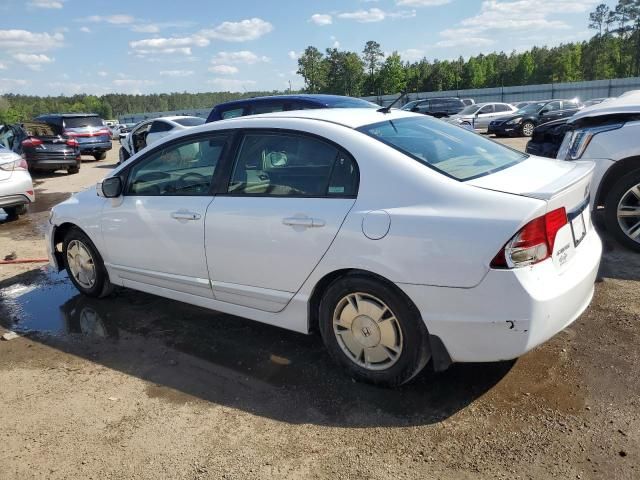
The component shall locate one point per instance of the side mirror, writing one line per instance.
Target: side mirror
(110, 187)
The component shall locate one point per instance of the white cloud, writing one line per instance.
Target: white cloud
(119, 19)
(231, 84)
(321, 19)
(421, 3)
(85, 29)
(102, 73)
(70, 88)
(243, 56)
(293, 55)
(3, 66)
(32, 60)
(146, 28)
(181, 45)
(176, 73)
(52, 4)
(224, 69)
(9, 84)
(243, 31)
(131, 82)
(364, 16)
(412, 54)
(24, 40)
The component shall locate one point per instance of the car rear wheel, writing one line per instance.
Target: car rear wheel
(100, 156)
(73, 170)
(123, 155)
(372, 331)
(527, 129)
(14, 212)
(622, 210)
(84, 265)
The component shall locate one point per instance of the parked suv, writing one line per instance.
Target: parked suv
(436, 107)
(43, 146)
(608, 134)
(88, 129)
(279, 103)
(523, 122)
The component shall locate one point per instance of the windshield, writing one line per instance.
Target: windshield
(79, 122)
(531, 108)
(470, 110)
(451, 150)
(190, 121)
(410, 105)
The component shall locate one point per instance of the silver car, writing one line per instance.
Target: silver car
(16, 188)
(479, 116)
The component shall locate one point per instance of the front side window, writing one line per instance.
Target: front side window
(279, 164)
(486, 109)
(451, 150)
(159, 126)
(178, 169)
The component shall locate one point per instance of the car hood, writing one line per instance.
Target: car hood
(628, 103)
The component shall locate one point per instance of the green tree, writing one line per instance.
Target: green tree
(372, 56)
(393, 74)
(311, 68)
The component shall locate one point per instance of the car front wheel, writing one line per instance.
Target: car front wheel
(100, 156)
(622, 210)
(84, 264)
(372, 331)
(527, 129)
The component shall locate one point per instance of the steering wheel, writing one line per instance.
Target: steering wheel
(192, 180)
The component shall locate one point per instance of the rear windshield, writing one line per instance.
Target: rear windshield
(449, 149)
(79, 122)
(190, 122)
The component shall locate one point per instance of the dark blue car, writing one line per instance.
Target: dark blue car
(279, 103)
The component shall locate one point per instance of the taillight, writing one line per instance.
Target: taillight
(72, 142)
(31, 142)
(19, 164)
(533, 243)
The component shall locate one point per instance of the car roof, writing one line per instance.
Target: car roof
(174, 117)
(319, 98)
(628, 102)
(69, 115)
(348, 117)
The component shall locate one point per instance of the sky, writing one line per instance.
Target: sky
(52, 47)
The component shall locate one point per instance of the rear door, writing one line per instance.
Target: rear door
(286, 198)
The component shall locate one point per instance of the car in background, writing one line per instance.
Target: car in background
(468, 101)
(44, 146)
(608, 134)
(477, 117)
(595, 101)
(283, 103)
(546, 138)
(437, 107)
(88, 129)
(520, 105)
(292, 219)
(524, 121)
(150, 131)
(16, 187)
(124, 129)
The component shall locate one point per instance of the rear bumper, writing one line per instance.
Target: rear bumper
(506, 130)
(14, 200)
(18, 190)
(57, 162)
(511, 311)
(97, 147)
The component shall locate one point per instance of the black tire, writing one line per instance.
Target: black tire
(102, 286)
(100, 156)
(15, 212)
(615, 196)
(123, 155)
(527, 126)
(73, 170)
(414, 351)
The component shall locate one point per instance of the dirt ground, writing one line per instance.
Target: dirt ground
(136, 386)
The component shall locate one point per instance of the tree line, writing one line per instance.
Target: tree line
(613, 52)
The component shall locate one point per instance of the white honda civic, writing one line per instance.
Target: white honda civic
(399, 237)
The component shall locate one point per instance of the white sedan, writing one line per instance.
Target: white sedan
(150, 131)
(399, 237)
(16, 187)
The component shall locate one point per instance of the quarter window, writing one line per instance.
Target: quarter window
(179, 169)
(270, 164)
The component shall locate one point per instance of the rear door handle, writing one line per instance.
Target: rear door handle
(185, 215)
(303, 222)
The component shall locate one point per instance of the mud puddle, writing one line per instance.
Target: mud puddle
(260, 363)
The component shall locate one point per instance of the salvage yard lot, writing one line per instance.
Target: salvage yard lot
(136, 386)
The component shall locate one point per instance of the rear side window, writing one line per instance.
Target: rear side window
(502, 108)
(280, 164)
(233, 113)
(449, 149)
(189, 121)
(79, 122)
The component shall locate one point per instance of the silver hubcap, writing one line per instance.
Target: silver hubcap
(367, 331)
(527, 129)
(629, 213)
(81, 264)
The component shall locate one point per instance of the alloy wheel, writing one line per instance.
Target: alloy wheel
(628, 213)
(367, 331)
(527, 129)
(81, 264)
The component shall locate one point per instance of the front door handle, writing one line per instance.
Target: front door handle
(303, 222)
(185, 215)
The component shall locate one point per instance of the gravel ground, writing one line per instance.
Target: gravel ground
(137, 386)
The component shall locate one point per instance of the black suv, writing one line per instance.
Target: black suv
(436, 107)
(525, 120)
(88, 129)
(279, 103)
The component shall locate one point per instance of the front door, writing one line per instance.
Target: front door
(484, 116)
(287, 197)
(154, 233)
